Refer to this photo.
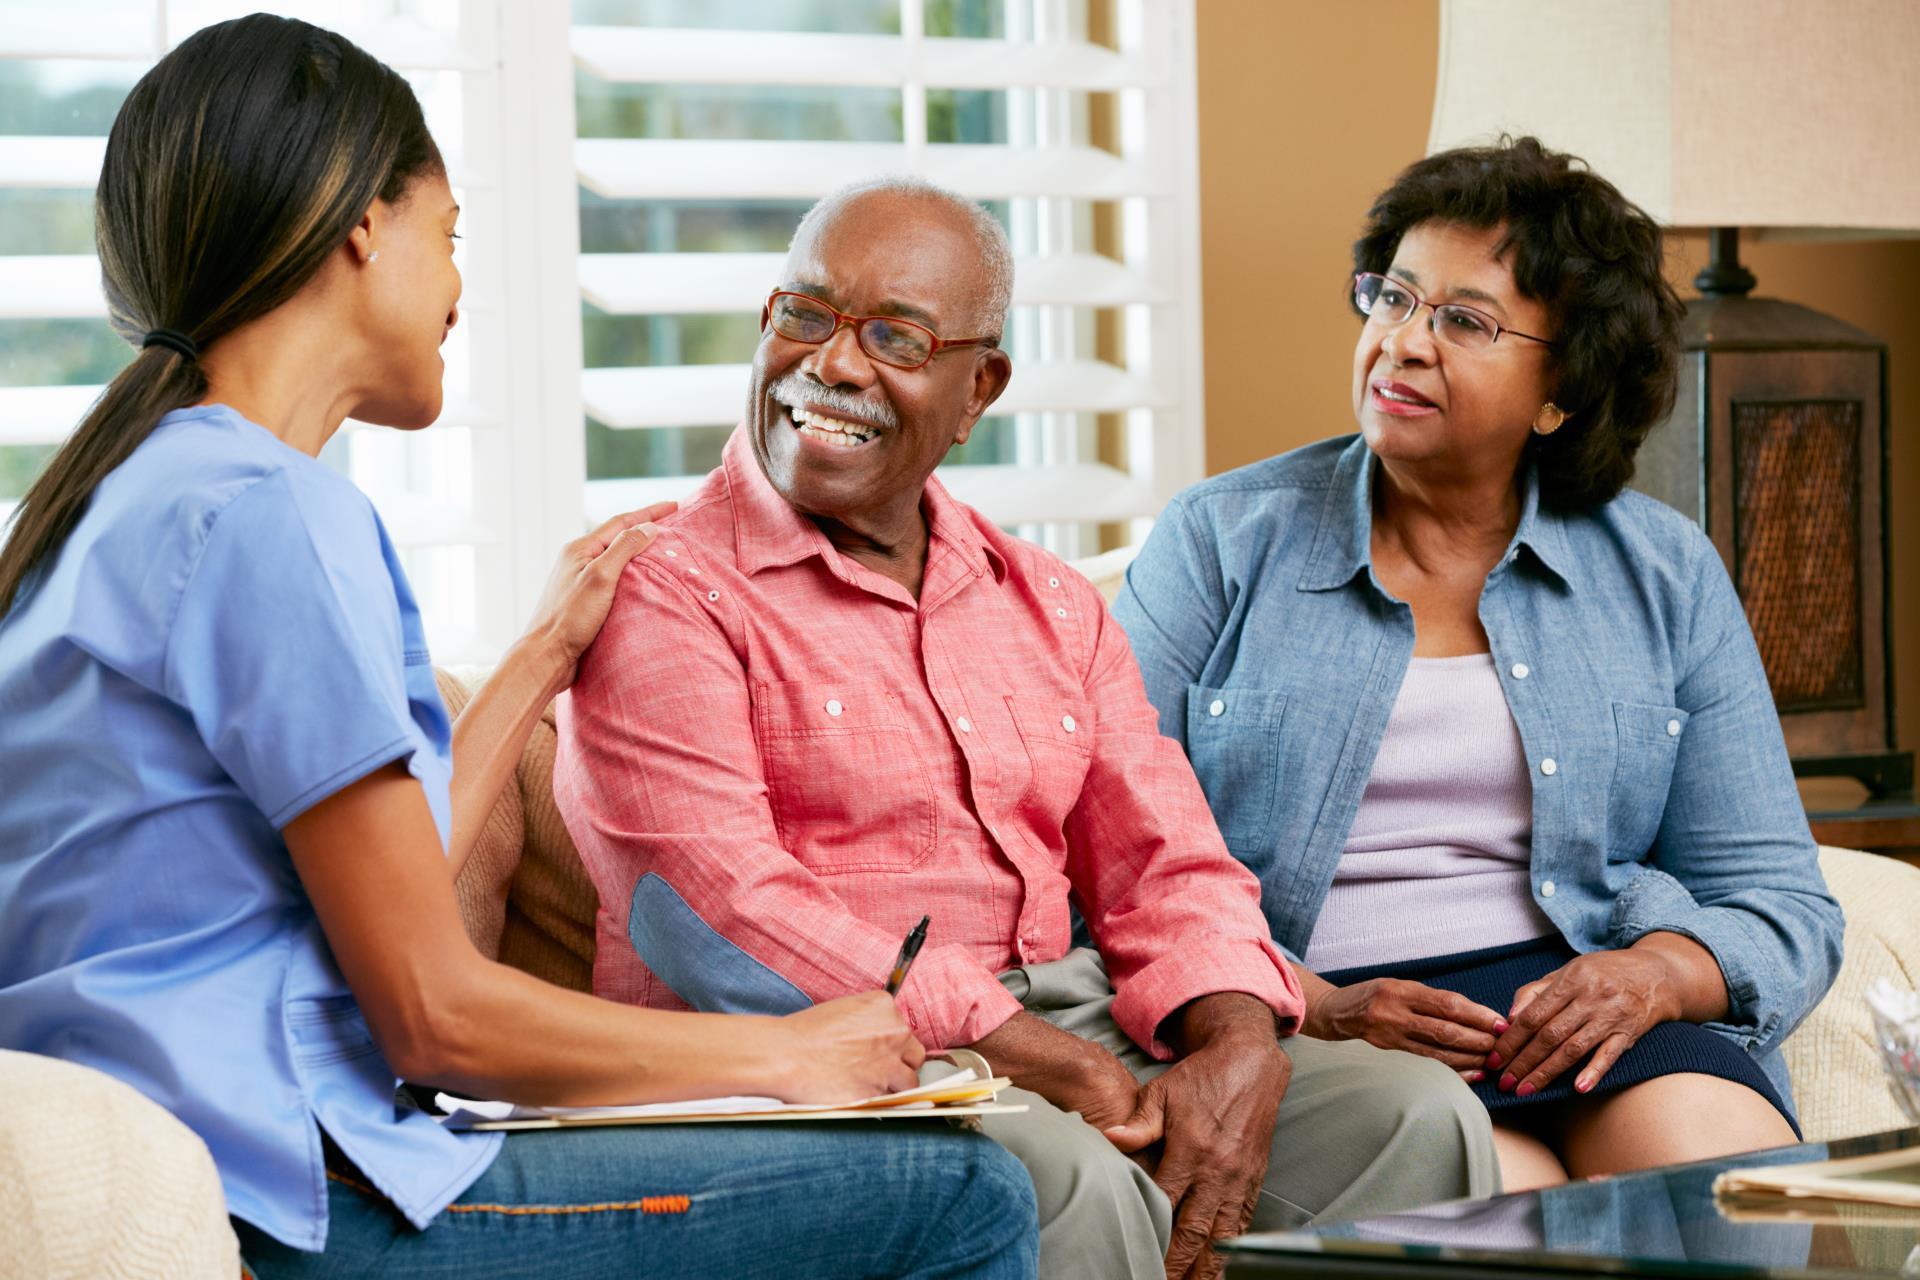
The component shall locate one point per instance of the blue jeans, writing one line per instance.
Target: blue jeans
(874, 1198)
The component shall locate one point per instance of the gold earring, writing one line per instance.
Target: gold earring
(1548, 420)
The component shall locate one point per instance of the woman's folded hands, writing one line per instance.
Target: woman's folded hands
(1600, 1004)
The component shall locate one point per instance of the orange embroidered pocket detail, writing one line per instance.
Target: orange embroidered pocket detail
(646, 1204)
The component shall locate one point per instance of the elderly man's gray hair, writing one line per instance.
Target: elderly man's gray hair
(989, 316)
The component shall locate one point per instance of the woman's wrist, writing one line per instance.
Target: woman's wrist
(1317, 996)
(540, 659)
(759, 1051)
(1695, 991)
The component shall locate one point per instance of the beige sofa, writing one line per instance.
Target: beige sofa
(96, 1180)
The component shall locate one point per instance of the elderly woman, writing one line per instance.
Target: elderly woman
(1492, 730)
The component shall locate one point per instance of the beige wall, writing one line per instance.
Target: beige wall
(1291, 152)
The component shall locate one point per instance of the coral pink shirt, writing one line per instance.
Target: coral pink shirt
(775, 760)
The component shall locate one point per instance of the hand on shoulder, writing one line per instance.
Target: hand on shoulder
(579, 594)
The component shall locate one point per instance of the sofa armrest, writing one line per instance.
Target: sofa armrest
(1839, 1084)
(97, 1180)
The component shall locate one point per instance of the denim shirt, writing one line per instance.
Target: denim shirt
(1663, 799)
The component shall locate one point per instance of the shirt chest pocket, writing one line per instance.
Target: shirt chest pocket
(1646, 743)
(1057, 732)
(848, 788)
(1233, 741)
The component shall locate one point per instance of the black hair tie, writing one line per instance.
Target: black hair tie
(173, 340)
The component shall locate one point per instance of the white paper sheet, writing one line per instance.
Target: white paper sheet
(461, 1111)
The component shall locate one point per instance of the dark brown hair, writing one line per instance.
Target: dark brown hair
(234, 168)
(1594, 259)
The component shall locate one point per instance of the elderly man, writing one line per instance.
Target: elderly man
(831, 699)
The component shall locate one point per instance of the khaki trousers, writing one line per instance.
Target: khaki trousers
(1362, 1131)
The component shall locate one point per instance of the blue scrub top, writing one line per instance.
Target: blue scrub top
(225, 639)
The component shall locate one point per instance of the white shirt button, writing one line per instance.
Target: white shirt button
(1673, 728)
(1546, 888)
(1521, 671)
(1548, 767)
(1216, 707)
(833, 707)
(1061, 612)
(672, 554)
(965, 725)
(1068, 723)
(1053, 582)
(713, 595)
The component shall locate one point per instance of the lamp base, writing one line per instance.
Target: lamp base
(1777, 446)
(1724, 276)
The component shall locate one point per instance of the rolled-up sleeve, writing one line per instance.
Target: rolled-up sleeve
(1734, 866)
(659, 780)
(1175, 915)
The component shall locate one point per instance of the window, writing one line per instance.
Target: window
(630, 173)
(705, 132)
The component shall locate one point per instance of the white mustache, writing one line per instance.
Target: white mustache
(798, 389)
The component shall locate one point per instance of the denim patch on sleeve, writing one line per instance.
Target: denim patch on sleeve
(705, 969)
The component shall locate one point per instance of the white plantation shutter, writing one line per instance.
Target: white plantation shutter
(1049, 476)
(584, 383)
(464, 500)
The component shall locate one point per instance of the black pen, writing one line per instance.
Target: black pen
(908, 950)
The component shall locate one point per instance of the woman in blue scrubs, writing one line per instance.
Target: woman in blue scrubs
(234, 807)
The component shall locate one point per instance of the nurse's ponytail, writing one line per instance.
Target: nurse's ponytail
(236, 166)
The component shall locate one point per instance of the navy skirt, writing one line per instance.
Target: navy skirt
(1490, 977)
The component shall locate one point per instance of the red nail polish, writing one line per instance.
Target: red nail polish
(1493, 1061)
(1500, 1027)
(1506, 1082)
(1475, 1077)
(1526, 1090)
(1583, 1084)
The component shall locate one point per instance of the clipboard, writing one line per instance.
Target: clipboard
(958, 1111)
(966, 1093)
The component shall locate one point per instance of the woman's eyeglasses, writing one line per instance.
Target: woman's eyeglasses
(1390, 302)
(888, 339)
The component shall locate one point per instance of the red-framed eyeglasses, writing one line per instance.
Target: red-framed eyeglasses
(903, 344)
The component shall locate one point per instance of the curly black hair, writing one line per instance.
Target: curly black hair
(1594, 259)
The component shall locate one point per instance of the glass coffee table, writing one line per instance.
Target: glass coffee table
(1663, 1222)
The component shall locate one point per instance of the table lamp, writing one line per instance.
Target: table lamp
(1772, 118)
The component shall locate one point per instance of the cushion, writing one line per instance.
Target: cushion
(97, 1180)
(1839, 1084)
(524, 894)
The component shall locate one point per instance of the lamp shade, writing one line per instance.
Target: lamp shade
(1707, 113)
